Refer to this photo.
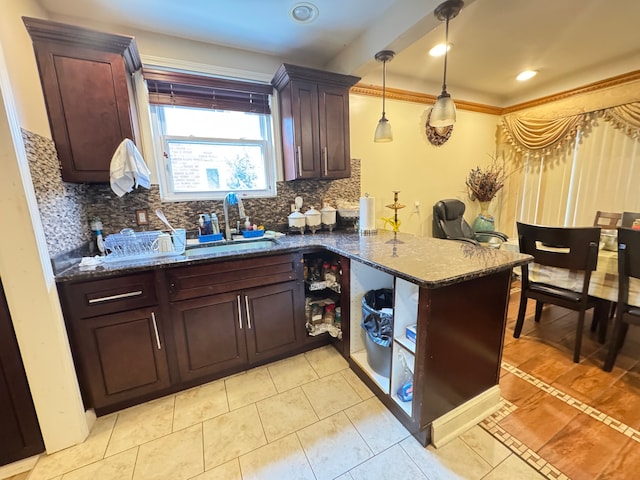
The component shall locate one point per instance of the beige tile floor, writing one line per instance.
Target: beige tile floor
(306, 417)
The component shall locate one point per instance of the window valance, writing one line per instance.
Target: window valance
(188, 90)
(543, 137)
(625, 117)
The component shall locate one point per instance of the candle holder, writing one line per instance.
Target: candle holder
(393, 221)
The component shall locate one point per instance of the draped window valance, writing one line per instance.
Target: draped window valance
(543, 137)
(625, 117)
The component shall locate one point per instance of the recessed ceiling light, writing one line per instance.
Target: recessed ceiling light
(526, 75)
(439, 50)
(304, 12)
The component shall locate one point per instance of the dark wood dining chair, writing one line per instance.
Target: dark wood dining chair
(607, 219)
(628, 218)
(574, 248)
(628, 267)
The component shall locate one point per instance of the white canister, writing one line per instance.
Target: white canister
(296, 219)
(313, 217)
(328, 214)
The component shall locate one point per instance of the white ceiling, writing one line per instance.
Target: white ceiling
(571, 42)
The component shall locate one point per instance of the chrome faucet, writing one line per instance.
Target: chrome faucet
(231, 199)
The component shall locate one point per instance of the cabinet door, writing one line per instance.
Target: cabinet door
(305, 124)
(122, 356)
(87, 98)
(334, 131)
(18, 422)
(274, 319)
(209, 335)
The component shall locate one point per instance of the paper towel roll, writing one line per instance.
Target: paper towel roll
(367, 215)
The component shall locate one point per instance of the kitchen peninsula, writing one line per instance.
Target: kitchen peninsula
(185, 320)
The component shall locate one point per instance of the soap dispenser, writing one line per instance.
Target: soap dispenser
(100, 242)
(96, 227)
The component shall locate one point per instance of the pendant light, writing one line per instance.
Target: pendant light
(443, 113)
(383, 130)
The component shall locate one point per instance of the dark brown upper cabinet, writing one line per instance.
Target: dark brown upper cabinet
(85, 77)
(314, 112)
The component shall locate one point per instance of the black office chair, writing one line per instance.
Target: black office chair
(628, 267)
(628, 218)
(449, 223)
(574, 249)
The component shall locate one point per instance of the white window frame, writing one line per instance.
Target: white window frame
(274, 167)
(163, 166)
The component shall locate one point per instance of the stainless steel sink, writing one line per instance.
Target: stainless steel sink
(198, 251)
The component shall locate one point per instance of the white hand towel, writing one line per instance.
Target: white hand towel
(128, 169)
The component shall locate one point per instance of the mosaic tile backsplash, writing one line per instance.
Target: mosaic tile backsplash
(65, 208)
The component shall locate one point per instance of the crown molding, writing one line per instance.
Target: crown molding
(589, 88)
(48, 31)
(416, 97)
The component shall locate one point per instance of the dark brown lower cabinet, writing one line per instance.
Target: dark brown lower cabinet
(20, 433)
(122, 356)
(230, 330)
(274, 319)
(138, 336)
(209, 335)
(454, 358)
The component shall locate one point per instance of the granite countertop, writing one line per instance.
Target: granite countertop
(428, 262)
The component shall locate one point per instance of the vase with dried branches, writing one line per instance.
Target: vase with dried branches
(483, 185)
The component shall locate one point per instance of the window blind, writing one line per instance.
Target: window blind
(188, 90)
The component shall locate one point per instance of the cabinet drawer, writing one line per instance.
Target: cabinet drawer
(118, 294)
(213, 278)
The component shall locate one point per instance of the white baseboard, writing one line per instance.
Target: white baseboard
(20, 466)
(460, 419)
(90, 415)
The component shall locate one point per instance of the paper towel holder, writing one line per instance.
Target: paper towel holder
(365, 231)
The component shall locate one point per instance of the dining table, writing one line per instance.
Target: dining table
(603, 284)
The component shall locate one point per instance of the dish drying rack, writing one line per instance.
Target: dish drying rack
(139, 246)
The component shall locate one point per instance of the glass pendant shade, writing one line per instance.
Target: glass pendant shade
(383, 131)
(444, 111)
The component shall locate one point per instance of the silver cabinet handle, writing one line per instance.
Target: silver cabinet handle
(299, 160)
(239, 312)
(115, 297)
(326, 160)
(155, 329)
(246, 307)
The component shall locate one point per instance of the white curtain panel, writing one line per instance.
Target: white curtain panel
(602, 172)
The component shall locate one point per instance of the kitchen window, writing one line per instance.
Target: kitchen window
(212, 136)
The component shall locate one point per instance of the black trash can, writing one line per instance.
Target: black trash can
(377, 321)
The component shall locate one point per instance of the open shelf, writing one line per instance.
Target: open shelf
(321, 294)
(399, 376)
(363, 279)
(405, 308)
(360, 358)
(406, 343)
